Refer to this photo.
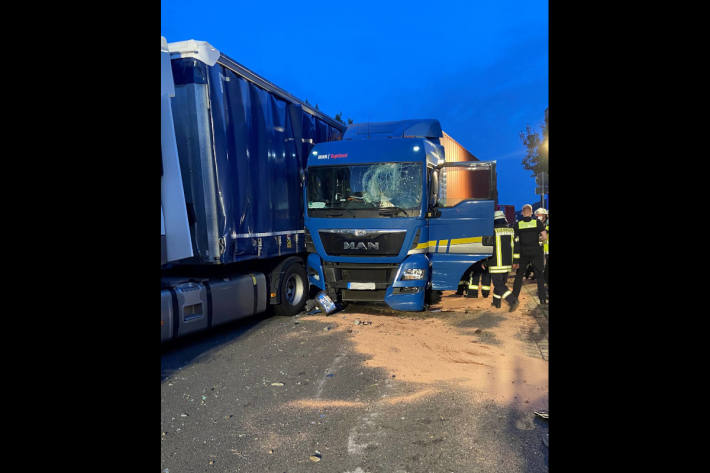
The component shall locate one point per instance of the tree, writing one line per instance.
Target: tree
(339, 117)
(537, 157)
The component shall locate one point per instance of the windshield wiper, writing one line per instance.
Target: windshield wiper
(392, 211)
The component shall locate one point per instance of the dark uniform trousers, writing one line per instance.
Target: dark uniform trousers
(538, 262)
(500, 290)
(547, 272)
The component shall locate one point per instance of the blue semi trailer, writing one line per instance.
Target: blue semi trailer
(234, 148)
(389, 219)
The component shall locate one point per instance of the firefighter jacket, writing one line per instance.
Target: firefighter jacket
(527, 235)
(546, 245)
(503, 243)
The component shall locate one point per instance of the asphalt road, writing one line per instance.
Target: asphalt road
(222, 412)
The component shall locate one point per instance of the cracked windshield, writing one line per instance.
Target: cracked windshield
(375, 190)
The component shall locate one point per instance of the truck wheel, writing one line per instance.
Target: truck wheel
(294, 289)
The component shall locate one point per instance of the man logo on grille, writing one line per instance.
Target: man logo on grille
(351, 245)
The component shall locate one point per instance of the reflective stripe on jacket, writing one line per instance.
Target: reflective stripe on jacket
(503, 242)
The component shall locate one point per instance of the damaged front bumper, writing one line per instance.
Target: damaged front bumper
(401, 286)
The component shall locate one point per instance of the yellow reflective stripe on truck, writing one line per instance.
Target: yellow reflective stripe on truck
(461, 241)
(448, 243)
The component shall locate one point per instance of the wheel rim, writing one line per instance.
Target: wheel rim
(294, 289)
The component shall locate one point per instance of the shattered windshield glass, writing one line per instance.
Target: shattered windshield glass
(391, 189)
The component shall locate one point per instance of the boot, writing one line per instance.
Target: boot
(496, 302)
(513, 302)
(471, 293)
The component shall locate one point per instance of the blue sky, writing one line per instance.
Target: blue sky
(479, 66)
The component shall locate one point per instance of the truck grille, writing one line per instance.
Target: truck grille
(362, 242)
(338, 275)
(368, 296)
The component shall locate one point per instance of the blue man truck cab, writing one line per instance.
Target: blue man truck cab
(388, 219)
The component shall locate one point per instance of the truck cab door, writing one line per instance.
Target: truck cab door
(463, 215)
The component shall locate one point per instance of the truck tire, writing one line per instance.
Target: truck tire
(293, 290)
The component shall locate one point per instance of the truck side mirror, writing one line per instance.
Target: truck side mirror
(434, 188)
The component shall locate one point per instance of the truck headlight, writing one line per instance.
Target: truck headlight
(412, 273)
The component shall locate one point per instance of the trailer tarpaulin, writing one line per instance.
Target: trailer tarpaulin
(243, 148)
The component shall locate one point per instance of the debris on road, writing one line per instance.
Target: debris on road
(315, 457)
(277, 384)
(543, 414)
(362, 322)
(325, 303)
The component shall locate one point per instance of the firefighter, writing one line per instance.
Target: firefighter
(479, 278)
(462, 286)
(463, 283)
(529, 232)
(543, 216)
(500, 263)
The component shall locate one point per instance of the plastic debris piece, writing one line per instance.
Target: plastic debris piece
(277, 384)
(329, 375)
(325, 303)
(315, 458)
(543, 414)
